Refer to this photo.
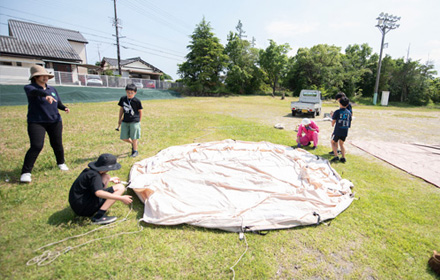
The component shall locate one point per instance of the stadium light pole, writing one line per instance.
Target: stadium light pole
(385, 23)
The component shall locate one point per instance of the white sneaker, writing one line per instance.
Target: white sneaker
(63, 167)
(25, 178)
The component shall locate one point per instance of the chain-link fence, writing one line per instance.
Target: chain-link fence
(20, 76)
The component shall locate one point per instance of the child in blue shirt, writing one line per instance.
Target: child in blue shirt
(341, 122)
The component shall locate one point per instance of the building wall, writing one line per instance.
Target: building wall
(19, 61)
(18, 75)
(80, 49)
(138, 65)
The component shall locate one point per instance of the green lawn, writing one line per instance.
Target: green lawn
(389, 232)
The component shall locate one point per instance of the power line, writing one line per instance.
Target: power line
(39, 16)
(143, 11)
(167, 14)
(106, 38)
(169, 52)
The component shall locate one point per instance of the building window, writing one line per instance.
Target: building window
(6, 63)
(19, 64)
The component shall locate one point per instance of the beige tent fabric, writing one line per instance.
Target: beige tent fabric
(236, 185)
(417, 159)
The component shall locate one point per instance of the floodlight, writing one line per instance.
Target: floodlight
(385, 23)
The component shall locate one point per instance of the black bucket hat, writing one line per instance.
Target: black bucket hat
(105, 162)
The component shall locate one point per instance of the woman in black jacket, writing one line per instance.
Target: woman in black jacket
(43, 105)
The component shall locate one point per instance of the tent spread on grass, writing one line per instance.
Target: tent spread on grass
(420, 160)
(238, 186)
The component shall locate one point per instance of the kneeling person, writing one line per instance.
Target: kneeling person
(89, 195)
(307, 132)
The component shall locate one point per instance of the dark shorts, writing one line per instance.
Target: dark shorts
(91, 208)
(336, 138)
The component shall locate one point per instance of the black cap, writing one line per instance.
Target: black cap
(105, 162)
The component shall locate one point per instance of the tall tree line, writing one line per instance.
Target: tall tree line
(240, 68)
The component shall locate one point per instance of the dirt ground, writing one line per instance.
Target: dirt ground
(389, 125)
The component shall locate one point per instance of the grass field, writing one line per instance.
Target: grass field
(389, 232)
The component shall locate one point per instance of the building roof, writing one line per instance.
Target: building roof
(41, 41)
(114, 62)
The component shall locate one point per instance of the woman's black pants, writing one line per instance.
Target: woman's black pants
(37, 132)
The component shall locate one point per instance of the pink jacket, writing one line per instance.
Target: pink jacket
(302, 129)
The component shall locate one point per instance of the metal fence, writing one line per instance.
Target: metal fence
(20, 75)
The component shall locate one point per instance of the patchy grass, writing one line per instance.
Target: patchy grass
(388, 233)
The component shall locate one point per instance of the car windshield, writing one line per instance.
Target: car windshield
(93, 77)
(310, 93)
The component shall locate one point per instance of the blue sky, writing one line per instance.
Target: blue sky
(159, 31)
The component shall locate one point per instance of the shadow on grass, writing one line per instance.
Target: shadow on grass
(11, 176)
(80, 161)
(65, 217)
(432, 272)
(68, 217)
(299, 116)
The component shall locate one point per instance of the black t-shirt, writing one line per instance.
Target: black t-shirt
(343, 121)
(82, 196)
(131, 109)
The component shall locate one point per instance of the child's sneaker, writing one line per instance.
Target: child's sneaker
(314, 148)
(25, 178)
(63, 167)
(134, 154)
(335, 159)
(343, 160)
(104, 220)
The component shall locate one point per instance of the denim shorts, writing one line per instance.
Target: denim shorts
(131, 130)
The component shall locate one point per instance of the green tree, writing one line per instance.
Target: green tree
(273, 61)
(357, 64)
(243, 75)
(205, 61)
(165, 76)
(368, 80)
(434, 90)
(319, 67)
(408, 81)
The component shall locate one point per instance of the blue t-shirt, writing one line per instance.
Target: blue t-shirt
(343, 121)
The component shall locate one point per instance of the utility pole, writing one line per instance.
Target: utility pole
(116, 25)
(385, 23)
(99, 53)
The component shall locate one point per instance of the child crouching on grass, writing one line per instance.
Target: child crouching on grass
(341, 121)
(89, 195)
(307, 132)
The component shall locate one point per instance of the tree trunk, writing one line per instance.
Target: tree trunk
(274, 86)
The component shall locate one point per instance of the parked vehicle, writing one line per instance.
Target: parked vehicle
(151, 84)
(309, 103)
(94, 80)
(139, 85)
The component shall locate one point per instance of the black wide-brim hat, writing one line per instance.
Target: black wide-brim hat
(105, 162)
